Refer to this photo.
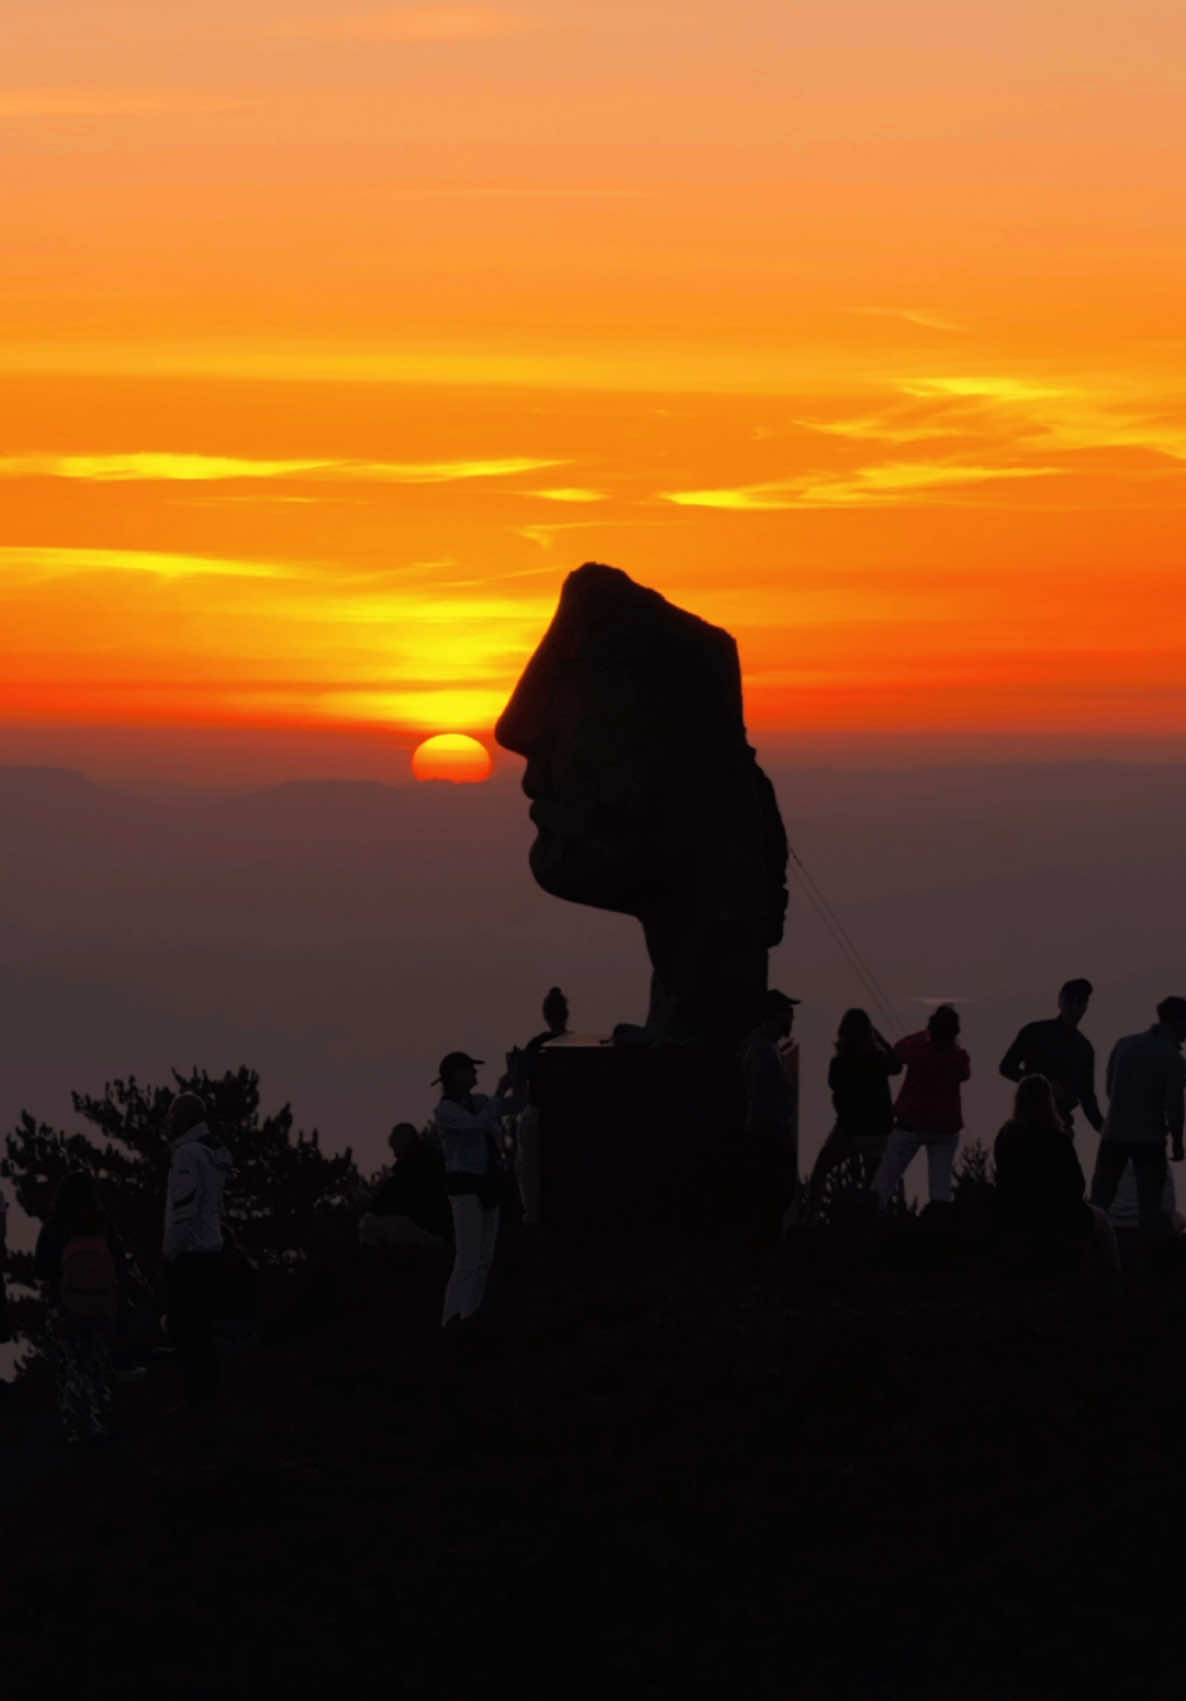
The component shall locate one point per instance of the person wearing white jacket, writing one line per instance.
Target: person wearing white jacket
(467, 1124)
(193, 1240)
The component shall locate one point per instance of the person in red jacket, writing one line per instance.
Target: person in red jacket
(928, 1111)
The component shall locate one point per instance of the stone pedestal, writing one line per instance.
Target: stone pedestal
(638, 1148)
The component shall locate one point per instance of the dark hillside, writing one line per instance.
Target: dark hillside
(850, 1468)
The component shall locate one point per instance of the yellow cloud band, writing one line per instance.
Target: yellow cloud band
(161, 467)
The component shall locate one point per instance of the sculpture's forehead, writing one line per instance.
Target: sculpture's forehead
(620, 655)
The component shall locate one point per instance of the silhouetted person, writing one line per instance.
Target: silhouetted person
(770, 1071)
(4, 1329)
(527, 1131)
(929, 1110)
(1057, 1050)
(410, 1206)
(1039, 1181)
(468, 1126)
(859, 1076)
(1146, 1081)
(1125, 1210)
(78, 1261)
(193, 1243)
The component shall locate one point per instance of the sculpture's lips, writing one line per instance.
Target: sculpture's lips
(561, 820)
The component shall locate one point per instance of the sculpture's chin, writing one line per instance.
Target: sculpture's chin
(606, 874)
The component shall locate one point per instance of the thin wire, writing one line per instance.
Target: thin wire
(853, 960)
(813, 888)
(853, 956)
(842, 938)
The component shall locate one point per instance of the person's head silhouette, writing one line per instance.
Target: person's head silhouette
(855, 1032)
(457, 1075)
(186, 1111)
(402, 1138)
(1171, 1013)
(76, 1203)
(1073, 998)
(944, 1026)
(556, 1011)
(1034, 1106)
(778, 1014)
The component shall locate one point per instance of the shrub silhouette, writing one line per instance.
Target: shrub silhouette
(285, 1195)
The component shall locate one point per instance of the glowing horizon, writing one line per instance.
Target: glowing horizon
(312, 395)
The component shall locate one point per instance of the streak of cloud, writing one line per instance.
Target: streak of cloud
(162, 467)
(909, 315)
(990, 389)
(51, 561)
(878, 429)
(864, 487)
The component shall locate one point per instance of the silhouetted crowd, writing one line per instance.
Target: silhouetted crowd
(480, 1157)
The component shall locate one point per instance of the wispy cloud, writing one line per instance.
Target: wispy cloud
(569, 493)
(162, 467)
(879, 429)
(923, 316)
(1039, 417)
(874, 486)
(427, 709)
(51, 561)
(987, 389)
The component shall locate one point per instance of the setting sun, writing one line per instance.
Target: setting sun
(451, 756)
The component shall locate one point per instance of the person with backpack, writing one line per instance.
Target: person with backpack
(193, 1244)
(79, 1263)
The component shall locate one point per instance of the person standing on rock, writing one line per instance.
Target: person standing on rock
(468, 1125)
(1057, 1050)
(193, 1243)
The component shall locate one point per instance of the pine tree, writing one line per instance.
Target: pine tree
(284, 1194)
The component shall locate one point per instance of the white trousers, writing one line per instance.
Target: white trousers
(903, 1144)
(475, 1231)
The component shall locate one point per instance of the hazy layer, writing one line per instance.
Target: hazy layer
(340, 937)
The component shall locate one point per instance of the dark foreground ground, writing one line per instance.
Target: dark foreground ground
(849, 1467)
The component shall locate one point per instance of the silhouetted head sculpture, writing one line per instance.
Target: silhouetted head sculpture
(647, 798)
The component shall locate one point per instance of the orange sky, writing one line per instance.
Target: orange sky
(328, 345)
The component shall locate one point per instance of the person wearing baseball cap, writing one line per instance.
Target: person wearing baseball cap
(467, 1124)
